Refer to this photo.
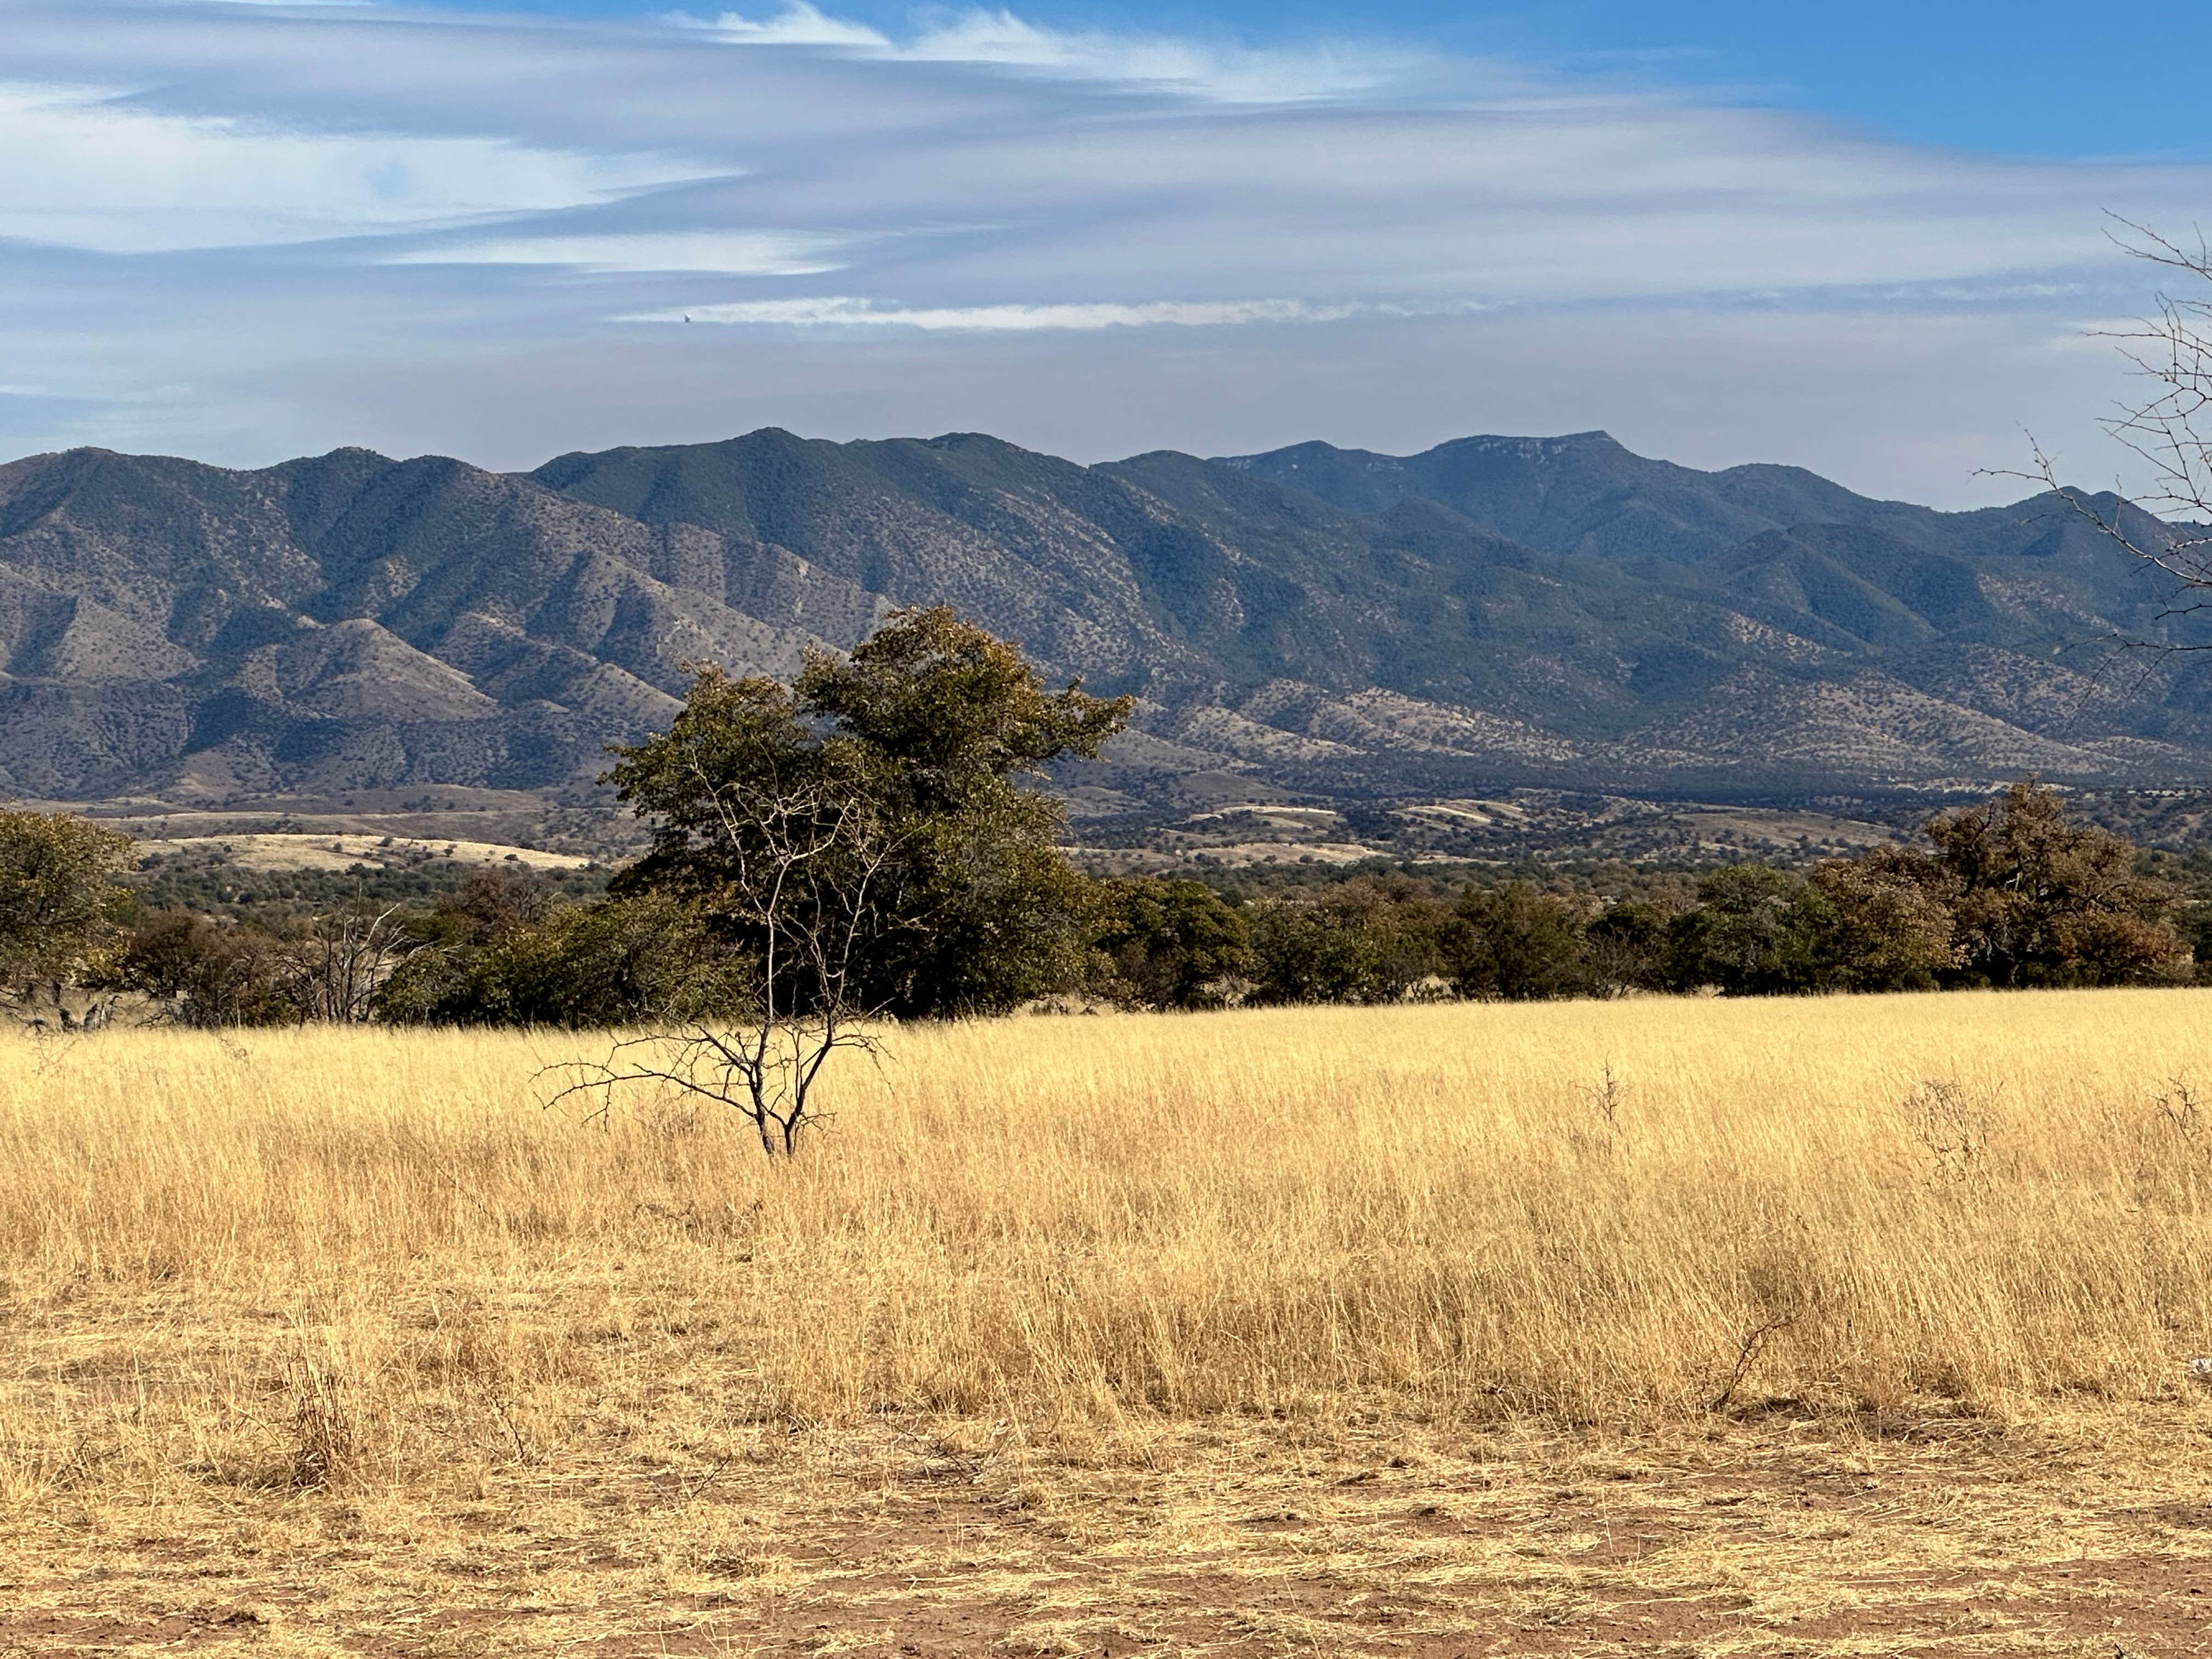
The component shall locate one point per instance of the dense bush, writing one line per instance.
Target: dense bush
(1169, 944)
(218, 971)
(1880, 922)
(1626, 947)
(1519, 943)
(1367, 939)
(57, 893)
(2007, 894)
(209, 972)
(506, 960)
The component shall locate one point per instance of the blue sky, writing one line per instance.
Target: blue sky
(2037, 78)
(1871, 239)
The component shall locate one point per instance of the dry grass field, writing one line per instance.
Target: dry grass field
(1817, 1327)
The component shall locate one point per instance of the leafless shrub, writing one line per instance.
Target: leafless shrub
(1606, 1099)
(2178, 1110)
(326, 1442)
(1748, 1348)
(804, 867)
(335, 970)
(1952, 1127)
(2172, 1146)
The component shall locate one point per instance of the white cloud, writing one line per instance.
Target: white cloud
(798, 24)
(844, 311)
(731, 253)
(96, 171)
(1229, 74)
(1223, 72)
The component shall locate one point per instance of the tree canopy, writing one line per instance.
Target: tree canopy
(57, 889)
(885, 792)
(2040, 900)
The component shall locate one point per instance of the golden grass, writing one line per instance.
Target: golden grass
(265, 1280)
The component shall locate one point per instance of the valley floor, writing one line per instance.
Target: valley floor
(1814, 1328)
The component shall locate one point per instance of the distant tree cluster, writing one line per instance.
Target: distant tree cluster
(2008, 894)
(213, 883)
(864, 842)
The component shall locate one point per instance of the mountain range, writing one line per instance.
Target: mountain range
(1495, 612)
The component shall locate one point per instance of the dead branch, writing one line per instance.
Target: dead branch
(804, 867)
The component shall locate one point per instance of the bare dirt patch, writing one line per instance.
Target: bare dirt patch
(1231, 1539)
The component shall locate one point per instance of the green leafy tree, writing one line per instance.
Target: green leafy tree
(1745, 936)
(1880, 922)
(1627, 949)
(2040, 900)
(1170, 944)
(1519, 943)
(58, 894)
(1364, 940)
(870, 821)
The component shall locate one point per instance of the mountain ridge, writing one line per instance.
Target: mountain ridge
(1494, 610)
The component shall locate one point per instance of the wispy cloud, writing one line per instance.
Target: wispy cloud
(730, 253)
(1217, 71)
(796, 25)
(100, 171)
(844, 311)
(476, 231)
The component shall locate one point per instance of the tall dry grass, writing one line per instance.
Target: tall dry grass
(323, 1248)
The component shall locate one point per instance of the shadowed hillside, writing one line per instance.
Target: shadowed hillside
(1495, 612)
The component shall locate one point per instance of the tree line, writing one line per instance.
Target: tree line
(868, 841)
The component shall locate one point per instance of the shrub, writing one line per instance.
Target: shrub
(210, 972)
(613, 961)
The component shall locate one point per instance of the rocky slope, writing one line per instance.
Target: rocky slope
(1494, 612)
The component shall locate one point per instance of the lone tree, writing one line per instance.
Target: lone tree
(881, 795)
(863, 842)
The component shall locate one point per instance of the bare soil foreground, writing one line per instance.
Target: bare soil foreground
(1816, 1328)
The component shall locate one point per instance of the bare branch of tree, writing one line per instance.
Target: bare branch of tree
(335, 972)
(804, 864)
(2170, 431)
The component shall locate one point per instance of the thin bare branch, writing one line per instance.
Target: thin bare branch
(803, 864)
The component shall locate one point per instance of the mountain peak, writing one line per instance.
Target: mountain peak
(1593, 440)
